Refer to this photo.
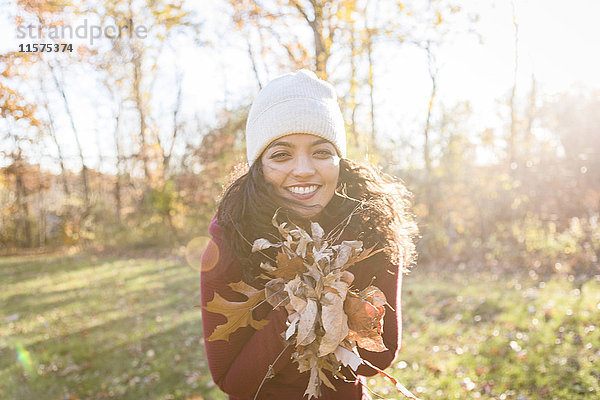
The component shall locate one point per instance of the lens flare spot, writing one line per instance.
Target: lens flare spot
(202, 253)
(24, 358)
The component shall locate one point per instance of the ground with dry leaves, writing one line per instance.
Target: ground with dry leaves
(94, 326)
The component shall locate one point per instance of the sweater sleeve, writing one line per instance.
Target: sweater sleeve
(239, 364)
(389, 280)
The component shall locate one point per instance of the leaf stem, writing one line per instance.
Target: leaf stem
(344, 222)
(270, 371)
(398, 385)
(266, 298)
(365, 386)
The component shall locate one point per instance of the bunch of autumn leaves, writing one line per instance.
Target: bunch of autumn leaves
(327, 319)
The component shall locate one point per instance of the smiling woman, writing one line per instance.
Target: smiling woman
(303, 167)
(296, 149)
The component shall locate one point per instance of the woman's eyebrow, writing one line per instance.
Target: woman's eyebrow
(288, 144)
(280, 143)
(319, 141)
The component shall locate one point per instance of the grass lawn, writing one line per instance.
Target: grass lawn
(85, 326)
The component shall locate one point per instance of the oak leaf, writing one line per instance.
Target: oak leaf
(314, 384)
(238, 313)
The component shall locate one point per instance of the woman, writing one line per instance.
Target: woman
(296, 148)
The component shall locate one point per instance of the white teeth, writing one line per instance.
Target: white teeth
(303, 189)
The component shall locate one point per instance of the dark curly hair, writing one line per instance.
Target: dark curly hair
(368, 205)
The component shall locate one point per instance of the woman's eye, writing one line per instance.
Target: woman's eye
(324, 153)
(278, 155)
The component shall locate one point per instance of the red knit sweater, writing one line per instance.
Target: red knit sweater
(239, 365)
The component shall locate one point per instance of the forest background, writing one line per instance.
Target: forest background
(125, 144)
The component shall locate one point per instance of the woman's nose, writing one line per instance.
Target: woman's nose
(303, 166)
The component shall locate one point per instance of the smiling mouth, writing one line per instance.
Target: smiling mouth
(303, 189)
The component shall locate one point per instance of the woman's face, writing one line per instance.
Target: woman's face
(302, 167)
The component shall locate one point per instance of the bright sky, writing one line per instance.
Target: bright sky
(559, 45)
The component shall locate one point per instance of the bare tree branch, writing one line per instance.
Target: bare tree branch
(301, 10)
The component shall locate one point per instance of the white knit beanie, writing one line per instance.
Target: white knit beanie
(294, 103)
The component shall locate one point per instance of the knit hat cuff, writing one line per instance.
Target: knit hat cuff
(297, 115)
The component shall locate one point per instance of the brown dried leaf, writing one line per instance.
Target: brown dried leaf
(262, 244)
(267, 267)
(314, 384)
(345, 252)
(275, 292)
(326, 380)
(375, 296)
(292, 287)
(362, 256)
(368, 340)
(317, 232)
(348, 357)
(365, 319)
(323, 256)
(285, 233)
(291, 329)
(303, 242)
(288, 268)
(362, 315)
(335, 322)
(314, 272)
(238, 314)
(306, 325)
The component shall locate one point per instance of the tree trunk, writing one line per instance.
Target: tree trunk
(84, 171)
(353, 86)
(176, 109)
(433, 77)
(61, 160)
(513, 113)
(117, 189)
(42, 213)
(21, 197)
(429, 186)
(371, 88)
(139, 103)
(253, 61)
(530, 118)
